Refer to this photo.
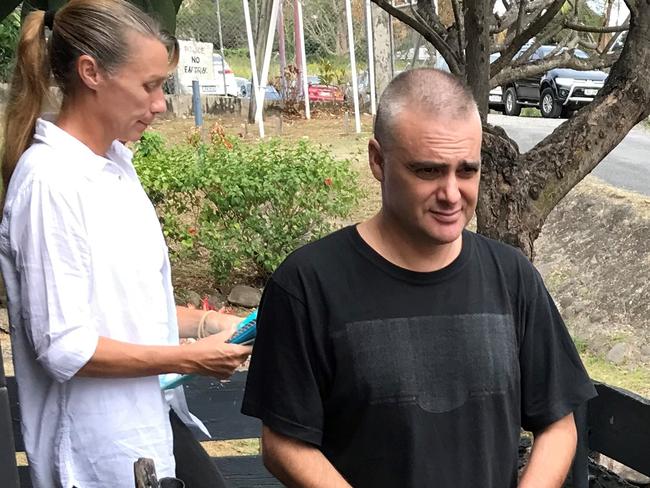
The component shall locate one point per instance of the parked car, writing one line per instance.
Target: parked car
(363, 87)
(558, 92)
(270, 93)
(319, 92)
(215, 86)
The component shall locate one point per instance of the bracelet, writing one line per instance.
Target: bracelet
(200, 332)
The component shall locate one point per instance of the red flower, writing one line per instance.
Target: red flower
(191, 231)
(328, 181)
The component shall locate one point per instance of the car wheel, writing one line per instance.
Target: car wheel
(548, 105)
(511, 105)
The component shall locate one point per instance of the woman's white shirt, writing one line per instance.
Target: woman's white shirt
(83, 256)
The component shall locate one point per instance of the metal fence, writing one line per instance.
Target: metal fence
(326, 43)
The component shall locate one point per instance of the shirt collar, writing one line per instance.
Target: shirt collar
(49, 133)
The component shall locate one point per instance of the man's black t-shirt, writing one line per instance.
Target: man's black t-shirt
(412, 379)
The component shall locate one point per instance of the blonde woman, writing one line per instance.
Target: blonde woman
(84, 260)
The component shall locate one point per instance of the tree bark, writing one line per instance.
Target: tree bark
(477, 52)
(381, 41)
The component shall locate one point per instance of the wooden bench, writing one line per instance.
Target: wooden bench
(616, 424)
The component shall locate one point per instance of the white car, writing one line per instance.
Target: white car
(215, 87)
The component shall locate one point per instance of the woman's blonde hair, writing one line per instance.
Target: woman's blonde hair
(97, 28)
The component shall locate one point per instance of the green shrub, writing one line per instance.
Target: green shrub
(9, 34)
(244, 206)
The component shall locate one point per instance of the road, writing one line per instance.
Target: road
(627, 166)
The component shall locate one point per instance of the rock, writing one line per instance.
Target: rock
(188, 299)
(566, 301)
(628, 474)
(597, 316)
(216, 300)
(245, 296)
(618, 353)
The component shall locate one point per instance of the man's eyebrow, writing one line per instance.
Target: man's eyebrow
(471, 164)
(438, 165)
(427, 165)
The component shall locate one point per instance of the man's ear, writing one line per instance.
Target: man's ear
(89, 72)
(376, 159)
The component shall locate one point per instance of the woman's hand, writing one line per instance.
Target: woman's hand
(213, 356)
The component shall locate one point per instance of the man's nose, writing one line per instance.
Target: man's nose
(449, 191)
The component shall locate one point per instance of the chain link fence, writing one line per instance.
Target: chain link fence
(327, 49)
(325, 36)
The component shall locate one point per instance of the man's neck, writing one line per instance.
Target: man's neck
(395, 244)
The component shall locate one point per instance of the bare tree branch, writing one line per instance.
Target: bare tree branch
(531, 31)
(435, 23)
(589, 28)
(510, 16)
(563, 60)
(539, 42)
(589, 46)
(615, 37)
(520, 17)
(460, 25)
(429, 34)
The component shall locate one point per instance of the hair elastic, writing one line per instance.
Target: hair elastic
(49, 19)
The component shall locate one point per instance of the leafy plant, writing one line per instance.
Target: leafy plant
(9, 35)
(244, 207)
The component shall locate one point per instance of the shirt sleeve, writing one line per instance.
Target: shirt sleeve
(553, 379)
(284, 385)
(52, 259)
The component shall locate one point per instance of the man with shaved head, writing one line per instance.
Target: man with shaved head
(407, 351)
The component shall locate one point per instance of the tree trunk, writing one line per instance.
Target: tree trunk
(341, 36)
(381, 40)
(519, 191)
(477, 51)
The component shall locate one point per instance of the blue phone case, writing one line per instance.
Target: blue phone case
(245, 334)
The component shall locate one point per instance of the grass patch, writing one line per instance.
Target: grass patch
(636, 380)
(241, 65)
(530, 112)
(238, 447)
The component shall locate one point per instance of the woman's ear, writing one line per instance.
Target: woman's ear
(89, 72)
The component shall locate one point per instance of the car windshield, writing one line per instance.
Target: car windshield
(546, 50)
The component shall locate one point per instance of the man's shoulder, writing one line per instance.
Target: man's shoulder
(504, 253)
(317, 258)
(321, 252)
(504, 259)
